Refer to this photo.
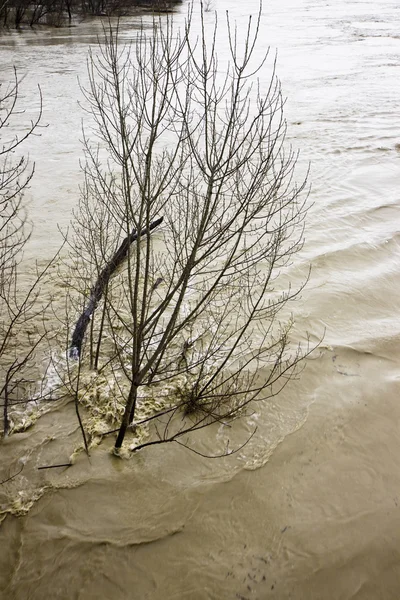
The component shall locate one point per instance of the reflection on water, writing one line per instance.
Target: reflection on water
(320, 519)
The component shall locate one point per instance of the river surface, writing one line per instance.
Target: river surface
(311, 508)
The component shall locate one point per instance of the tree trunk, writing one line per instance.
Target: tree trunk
(128, 415)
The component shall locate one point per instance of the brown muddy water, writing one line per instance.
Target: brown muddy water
(311, 508)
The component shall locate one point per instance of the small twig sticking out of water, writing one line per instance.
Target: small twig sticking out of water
(76, 402)
(55, 466)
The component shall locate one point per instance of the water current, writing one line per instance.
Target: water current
(311, 508)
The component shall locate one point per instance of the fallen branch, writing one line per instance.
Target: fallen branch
(99, 287)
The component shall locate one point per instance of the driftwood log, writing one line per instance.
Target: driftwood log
(98, 289)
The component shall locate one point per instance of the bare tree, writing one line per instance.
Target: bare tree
(187, 322)
(20, 308)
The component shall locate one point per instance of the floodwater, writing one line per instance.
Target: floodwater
(311, 508)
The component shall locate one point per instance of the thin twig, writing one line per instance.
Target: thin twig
(12, 476)
(55, 466)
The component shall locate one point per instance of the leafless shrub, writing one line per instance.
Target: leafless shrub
(21, 310)
(188, 321)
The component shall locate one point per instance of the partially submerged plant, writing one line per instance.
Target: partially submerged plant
(193, 314)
